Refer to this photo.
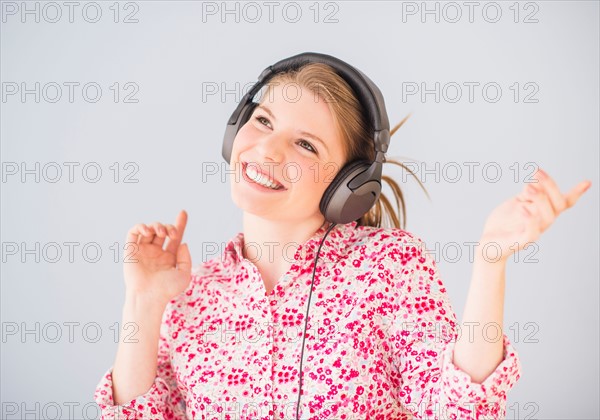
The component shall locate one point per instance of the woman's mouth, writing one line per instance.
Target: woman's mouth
(252, 174)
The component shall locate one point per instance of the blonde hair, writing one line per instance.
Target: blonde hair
(351, 122)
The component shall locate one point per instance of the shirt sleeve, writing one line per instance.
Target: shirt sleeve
(162, 401)
(432, 386)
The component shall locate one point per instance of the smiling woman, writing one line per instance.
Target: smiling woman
(348, 327)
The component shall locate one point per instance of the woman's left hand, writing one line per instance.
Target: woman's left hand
(521, 220)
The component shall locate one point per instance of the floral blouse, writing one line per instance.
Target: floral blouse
(379, 340)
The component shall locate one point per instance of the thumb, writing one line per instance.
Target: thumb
(184, 260)
(577, 192)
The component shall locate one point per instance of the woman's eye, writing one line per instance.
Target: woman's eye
(309, 148)
(262, 120)
(303, 143)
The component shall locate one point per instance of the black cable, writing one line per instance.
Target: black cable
(306, 318)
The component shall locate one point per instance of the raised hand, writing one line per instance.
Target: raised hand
(523, 218)
(154, 273)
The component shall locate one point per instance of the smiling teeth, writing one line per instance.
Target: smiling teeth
(257, 177)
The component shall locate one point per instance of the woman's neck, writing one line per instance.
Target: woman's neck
(274, 242)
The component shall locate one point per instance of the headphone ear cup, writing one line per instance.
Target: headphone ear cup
(232, 129)
(340, 204)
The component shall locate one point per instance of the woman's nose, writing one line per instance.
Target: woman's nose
(271, 146)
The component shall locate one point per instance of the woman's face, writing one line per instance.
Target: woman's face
(280, 146)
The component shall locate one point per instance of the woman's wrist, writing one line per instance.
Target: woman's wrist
(489, 253)
(144, 305)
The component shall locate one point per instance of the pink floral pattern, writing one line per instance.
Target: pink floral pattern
(379, 341)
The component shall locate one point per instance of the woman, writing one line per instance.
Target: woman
(303, 318)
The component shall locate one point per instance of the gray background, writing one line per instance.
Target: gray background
(175, 52)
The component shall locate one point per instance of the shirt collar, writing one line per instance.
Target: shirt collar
(332, 249)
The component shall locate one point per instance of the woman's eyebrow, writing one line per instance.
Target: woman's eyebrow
(267, 110)
(312, 136)
(303, 133)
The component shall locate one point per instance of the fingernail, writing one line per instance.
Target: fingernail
(532, 189)
(542, 173)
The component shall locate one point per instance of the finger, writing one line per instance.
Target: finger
(577, 191)
(171, 231)
(147, 239)
(184, 260)
(161, 234)
(557, 200)
(171, 234)
(543, 208)
(136, 232)
(529, 209)
(531, 229)
(180, 224)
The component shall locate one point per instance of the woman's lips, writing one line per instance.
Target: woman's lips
(266, 176)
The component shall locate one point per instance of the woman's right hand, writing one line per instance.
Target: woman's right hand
(152, 273)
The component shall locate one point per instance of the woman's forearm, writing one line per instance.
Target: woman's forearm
(479, 347)
(134, 370)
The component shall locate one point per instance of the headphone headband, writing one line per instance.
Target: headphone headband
(367, 92)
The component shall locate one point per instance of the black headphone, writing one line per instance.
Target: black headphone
(357, 186)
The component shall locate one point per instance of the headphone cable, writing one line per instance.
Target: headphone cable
(306, 318)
